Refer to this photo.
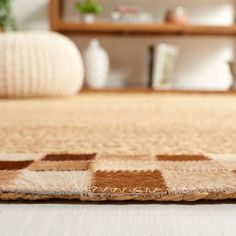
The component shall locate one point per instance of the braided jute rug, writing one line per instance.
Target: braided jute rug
(111, 146)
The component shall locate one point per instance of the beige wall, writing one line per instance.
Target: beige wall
(202, 61)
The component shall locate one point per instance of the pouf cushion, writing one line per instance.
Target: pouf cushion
(39, 64)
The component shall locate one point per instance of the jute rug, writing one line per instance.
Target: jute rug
(95, 147)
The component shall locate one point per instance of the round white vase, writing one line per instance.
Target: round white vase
(96, 63)
(88, 18)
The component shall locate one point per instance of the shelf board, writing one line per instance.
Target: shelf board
(145, 29)
(150, 90)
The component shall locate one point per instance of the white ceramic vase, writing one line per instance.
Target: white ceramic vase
(96, 63)
(88, 18)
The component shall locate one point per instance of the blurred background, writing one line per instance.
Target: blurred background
(197, 58)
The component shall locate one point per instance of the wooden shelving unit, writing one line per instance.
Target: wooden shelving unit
(59, 25)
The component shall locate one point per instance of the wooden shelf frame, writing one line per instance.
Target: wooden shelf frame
(150, 90)
(146, 29)
(59, 25)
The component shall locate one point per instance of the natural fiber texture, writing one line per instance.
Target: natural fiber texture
(161, 147)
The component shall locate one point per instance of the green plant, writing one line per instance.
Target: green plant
(89, 6)
(6, 18)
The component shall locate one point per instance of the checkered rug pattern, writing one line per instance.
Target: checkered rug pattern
(100, 177)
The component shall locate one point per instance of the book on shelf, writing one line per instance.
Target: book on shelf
(162, 62)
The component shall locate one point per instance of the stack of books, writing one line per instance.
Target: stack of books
(131, 14)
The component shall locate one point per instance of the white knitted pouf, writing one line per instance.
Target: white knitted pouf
(39, 64)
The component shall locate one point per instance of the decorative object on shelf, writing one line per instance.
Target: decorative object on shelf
(131, 14)
(96, 63)
(60, 24)
(39, 65)
(7, 21)
(89, 9)
(162, 64)
(176, 16)
(232, 67)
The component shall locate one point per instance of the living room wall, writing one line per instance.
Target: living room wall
(202, 62)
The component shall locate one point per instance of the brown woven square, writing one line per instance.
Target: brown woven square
(181, 158)
(14, 165)
(59, 165)
(128, 182)
(69, 157)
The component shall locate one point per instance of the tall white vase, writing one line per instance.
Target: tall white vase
(96, 63)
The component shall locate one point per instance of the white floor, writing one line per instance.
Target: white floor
(117, 219)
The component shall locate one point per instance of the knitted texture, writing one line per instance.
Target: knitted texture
(39, 64)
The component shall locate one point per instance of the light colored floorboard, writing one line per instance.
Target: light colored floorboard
(118, 219)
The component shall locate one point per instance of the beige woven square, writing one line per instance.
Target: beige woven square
(199, 181)
(50, 182)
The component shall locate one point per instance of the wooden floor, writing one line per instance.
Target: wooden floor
(69, 219)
